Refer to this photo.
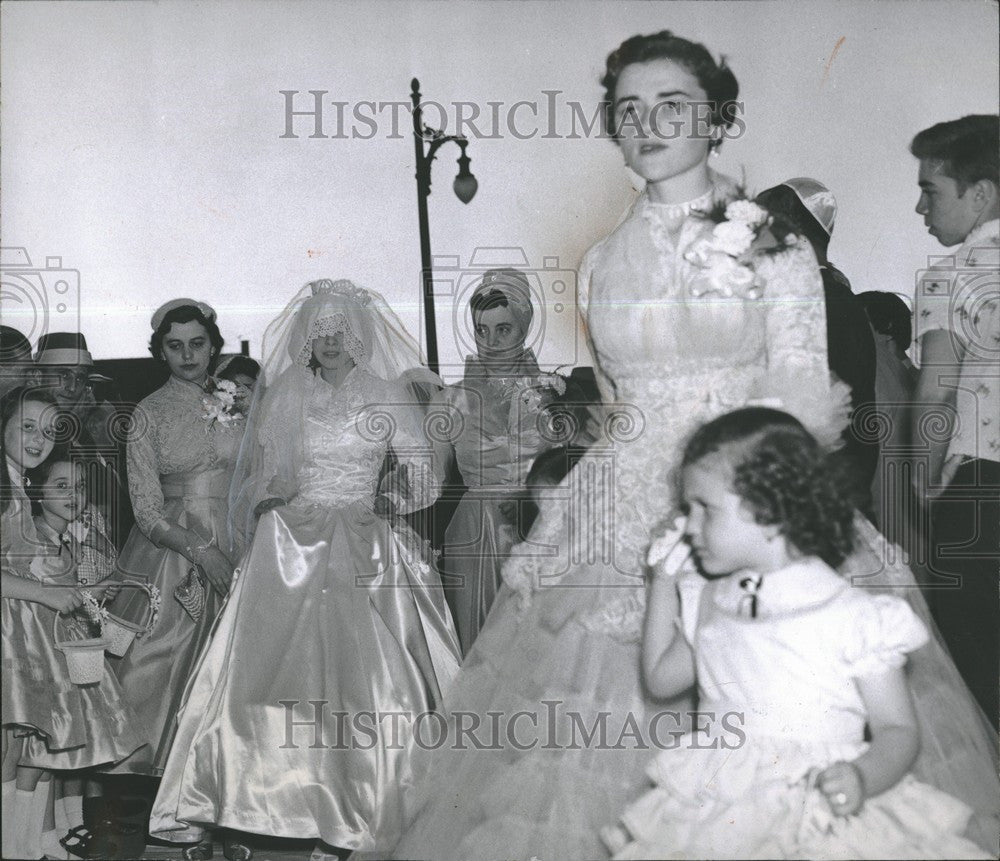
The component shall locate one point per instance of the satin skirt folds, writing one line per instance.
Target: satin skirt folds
(66, 726)
(156, 669)
(477, 541)
(334, 646)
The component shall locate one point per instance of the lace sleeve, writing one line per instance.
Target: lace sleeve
(413, 484)
(604, 383)
(144, 476)
(798, 375)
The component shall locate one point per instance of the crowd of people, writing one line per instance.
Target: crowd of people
(669, 614)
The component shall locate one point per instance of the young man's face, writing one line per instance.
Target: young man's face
(948, 215)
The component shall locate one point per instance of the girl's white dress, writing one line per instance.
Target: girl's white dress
(778, 702)
(562, 641)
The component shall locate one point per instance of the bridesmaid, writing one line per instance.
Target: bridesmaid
(181, 452)
(493, 415)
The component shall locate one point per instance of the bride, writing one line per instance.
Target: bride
(335, 638)
(681, 332)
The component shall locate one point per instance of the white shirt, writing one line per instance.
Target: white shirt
(961, 295)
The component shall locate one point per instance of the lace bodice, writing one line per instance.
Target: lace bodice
(346, 434)
(662, 347)
(669, 360)
(170, 439)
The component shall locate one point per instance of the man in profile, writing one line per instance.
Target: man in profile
(958, 332)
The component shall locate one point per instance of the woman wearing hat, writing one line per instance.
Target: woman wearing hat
(181, 453)
(494, 418)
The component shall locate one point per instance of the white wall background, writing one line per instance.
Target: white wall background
(141, 141)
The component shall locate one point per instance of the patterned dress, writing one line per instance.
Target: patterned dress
(179, 471)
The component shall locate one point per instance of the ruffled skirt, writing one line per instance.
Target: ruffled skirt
(759, 801)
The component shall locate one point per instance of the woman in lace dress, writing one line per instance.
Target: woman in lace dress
(335, 642)
(673, 349)
(180, 462)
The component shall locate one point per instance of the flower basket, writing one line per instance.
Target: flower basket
(120, 633)
(85, 658)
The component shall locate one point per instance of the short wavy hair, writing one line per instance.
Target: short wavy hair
(783, 477)
(185, 314)
(968, 148)
(715, 78)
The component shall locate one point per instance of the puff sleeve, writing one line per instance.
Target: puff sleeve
(881, 632)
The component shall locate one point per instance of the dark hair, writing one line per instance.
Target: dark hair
(37, 476)
(185, 314)
(967, 148)
(9, 405)
(889, 315)
(791, 216)
(716, 79)
(782, 475)
(547, 470)
(240, 365)
(15, 349)
(487, 302)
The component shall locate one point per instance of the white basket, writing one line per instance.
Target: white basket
(84, 658)
(120, 633)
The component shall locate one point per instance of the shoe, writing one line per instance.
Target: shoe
(234, 850)
(199, 852)
(111, 831)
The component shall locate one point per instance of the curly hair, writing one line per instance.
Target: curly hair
(715, 78)
(185, 314)
(784, 477)
(240, 365)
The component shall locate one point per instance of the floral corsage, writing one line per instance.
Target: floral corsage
(725, 258)
(220, 402)
(540, 390)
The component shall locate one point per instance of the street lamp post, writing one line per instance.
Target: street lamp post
(465, 186)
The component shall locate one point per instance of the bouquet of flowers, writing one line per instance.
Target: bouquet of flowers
(725, 258)
(220, 402)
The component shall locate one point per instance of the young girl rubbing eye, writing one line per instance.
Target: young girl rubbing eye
(780, 644)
